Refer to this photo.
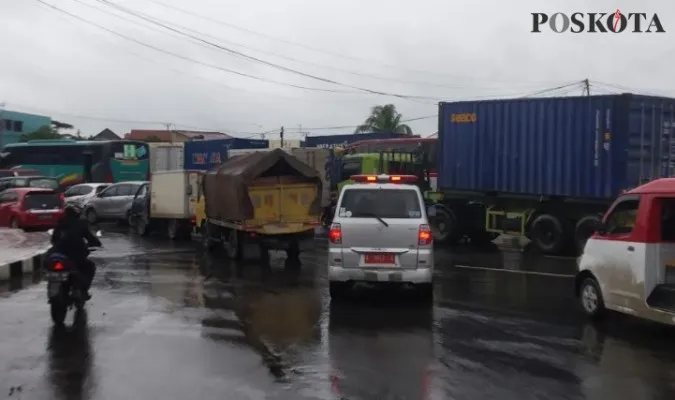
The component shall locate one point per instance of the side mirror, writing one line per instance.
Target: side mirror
(431, 211)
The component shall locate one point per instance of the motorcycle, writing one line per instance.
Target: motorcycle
(63, 290)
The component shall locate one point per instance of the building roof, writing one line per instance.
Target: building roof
(107, 134)
(204, 135)
(144, 134)
(164, 135)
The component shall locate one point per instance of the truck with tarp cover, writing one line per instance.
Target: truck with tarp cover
(269, 200)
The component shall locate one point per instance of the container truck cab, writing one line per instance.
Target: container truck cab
(628, 264)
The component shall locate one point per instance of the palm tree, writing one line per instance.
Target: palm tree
(384, 119)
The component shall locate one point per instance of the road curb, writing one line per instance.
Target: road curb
(17, 269)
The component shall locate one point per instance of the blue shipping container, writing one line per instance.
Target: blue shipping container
(582, 147)
(206, 154)
(331, 141)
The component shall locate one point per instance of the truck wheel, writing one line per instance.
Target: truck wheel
(584, 230)
(233, 245)
(591, 299)
(207, 240)
(548, 234)
(172, 229)
(444, 227)
(141, 226)
(293, 252)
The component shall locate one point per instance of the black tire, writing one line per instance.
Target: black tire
(207, 241)
(590, 298)
(141, 226)
(337, 290)
(91, 216)
(293, 252)
(548, 234)
(58, 311)
(233, 245)
(444, 226)
(584, 230)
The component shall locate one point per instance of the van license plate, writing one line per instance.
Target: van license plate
(44, 217)
(379, 258)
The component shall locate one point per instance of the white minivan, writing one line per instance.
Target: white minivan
(380, 233)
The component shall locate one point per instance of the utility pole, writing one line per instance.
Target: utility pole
(587, 87)
(281, 136)
(2, 122)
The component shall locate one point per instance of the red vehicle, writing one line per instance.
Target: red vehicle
(30, 208)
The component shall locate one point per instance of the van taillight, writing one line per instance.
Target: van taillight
(424, 235)
(335, 234)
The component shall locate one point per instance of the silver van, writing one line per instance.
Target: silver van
(380, 233)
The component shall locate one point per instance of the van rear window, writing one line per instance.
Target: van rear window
(383, 203)
(42, 201)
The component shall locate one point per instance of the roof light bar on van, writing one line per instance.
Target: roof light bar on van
(384, 178)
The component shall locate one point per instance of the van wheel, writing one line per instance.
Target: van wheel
(548, 234)
(591, 299)
(584, 230)
(233, 245)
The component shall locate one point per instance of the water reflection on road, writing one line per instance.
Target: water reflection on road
(168, 322)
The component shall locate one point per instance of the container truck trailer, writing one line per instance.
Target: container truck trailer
(546, 168)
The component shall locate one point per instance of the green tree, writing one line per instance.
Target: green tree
(384, 119)
(48, 132)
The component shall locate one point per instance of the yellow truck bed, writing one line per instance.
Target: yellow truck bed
(281, 208)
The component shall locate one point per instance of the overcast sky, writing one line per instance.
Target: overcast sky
(430, 50)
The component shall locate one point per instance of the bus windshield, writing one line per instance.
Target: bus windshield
(69, 161)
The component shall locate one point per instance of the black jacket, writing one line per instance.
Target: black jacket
(72, 238)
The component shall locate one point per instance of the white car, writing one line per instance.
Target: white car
(380, 233)
(80, 194)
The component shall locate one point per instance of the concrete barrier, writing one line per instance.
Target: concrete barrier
(21, 252)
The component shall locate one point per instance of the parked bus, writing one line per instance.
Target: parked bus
(67, 160)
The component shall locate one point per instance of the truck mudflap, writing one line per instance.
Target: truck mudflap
(304, 240)
(281, 228)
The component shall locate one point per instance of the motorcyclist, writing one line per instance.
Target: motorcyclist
(72, 237)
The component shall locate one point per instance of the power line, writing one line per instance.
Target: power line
(315, 49)
(161, 50)
(281, 56)
(155, 21)
(113, 120)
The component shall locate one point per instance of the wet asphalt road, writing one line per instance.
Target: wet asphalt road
(166, 322)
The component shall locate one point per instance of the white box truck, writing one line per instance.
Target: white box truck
(170, 204)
